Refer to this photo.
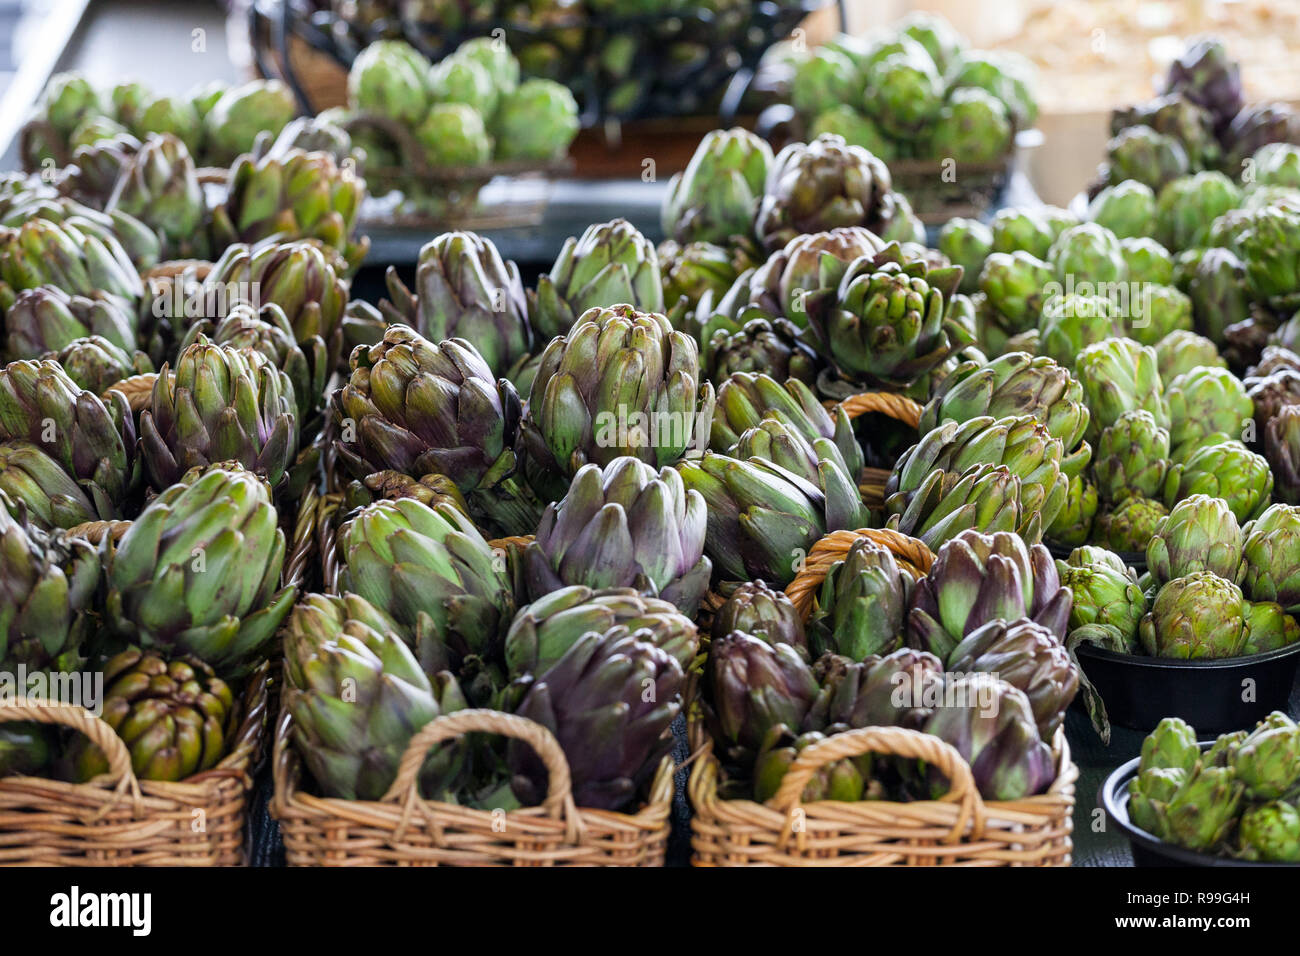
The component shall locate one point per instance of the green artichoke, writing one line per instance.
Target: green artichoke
(823, 185)
(972, 127)
(694, 271)
(542, 632)
(716, 197)
(888, 323)
(92, 442)
(241, 114)
(1200, 534)
(495, 57)
(759, 611)
(221, 404)
(1217, 289)
(198, 572)
(1170, 746)
(46, 319)
(841, 780)
(1132, 457)
(1130, 524)
(67, 256)
(1012, 384)
(610, 264)
(761, 520)
(1104, 598)
(984, 498)
(758, 346)
(1073, 525)
(621, 382)
(297, 196)
(1270, 627)
(1140, 153)
(160, 187)
(967, 243)
(1226, 470)
(1187, 205)
(460, 79)
(1127, 209)
(535, 122)
(904, 93)
(1016, 284)
(855, 128)
(624, 525)
(823, 79)
(1277, 164)
(48, 597)
(1181, 351)
(1207, 400)
(67, 100)
(862, 604)
(1270, 832)
(431, 569)
(453, 135)
(1119, 375)
(30, 477)
(1021, 230)
(1269, 557)
(358, 696)
(465, 427)
(96, 364)
(1149, 794)
(1071, 322)
(390, 78)
(1271, 254)
(1147, 261)
(175, 717)
(1199, 615)
(1156, 312)
(999, 740)
(1201, 813)
(609, 701)
(977, 578)
(1088, 252)
(464, 289)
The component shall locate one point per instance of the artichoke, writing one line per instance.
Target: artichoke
(1200, 534)
(1071, 322)
(620, 526)
(542, 632)
(1012, 384)
(1156, 312)
(823, 79)
(464, 289)
(297, 196)
(48, 598)
(1205, 74)
(759, 346)
(175, 717)
(694, 271)
(762, 520)
(1187, 205)
(977, 578)
(1217, 289)
(1271, 571)
(1270, 627)
(46, 319)
(1132, 457)
(755, 686)
(1226, 470)
(888, 323)
(1127, 209)
(198, 572)
(1015, 284)
(67, 100)
(609, 701)
(1271, 254)
(1199, 615)
(1147, 261)
(453, 135)
(762, 612)
(1028, 656)
(465, 427)
(842, 780)
(1282, 451)
(610, 264)
(1182, 351)
(161, 188)
(390, 78)
(535, 122)
(1130, 524)
(96, 364)
(434, 573)
(1270, 832)
(1104, 598)
(1119, 375)
(52, 499)
(68, 257)
(1149, 794)
(1201, 812)
(716, 197)
(823, 185)
(1277, 164)
(854, 128)
(357, 696)
(1073, 525)
(1008, 759)
(91, 442)
(1089, 252)
(904, 92)
(985, 498)
(1170, 746)
(222, 404)
(460, 79)
(241, 114)
(1207, 400)
(861, 605)
(1141, 153)
(973, 127)
(621, 382)
(967, 243)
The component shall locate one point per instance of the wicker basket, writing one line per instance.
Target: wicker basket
(961, 829)
(898, 407)
(403, 829)
(117, 820)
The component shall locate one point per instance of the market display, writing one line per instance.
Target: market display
(853, 517)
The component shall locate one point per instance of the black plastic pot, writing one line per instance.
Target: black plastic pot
(1148, 850)
(1140, 691)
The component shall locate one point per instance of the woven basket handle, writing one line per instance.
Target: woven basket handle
(79, 719)
(885, 403)
(559, 792)
(896, 741)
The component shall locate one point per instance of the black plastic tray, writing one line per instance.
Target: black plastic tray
(1140, 691)
(1147, 849)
